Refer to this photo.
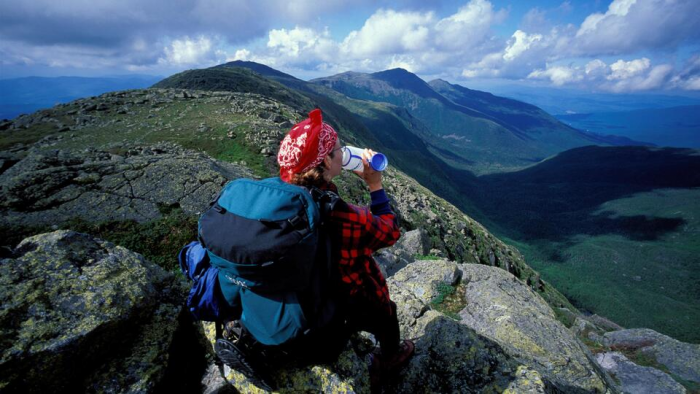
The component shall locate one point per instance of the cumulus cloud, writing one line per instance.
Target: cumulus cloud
(624, 70)
(389, 32)
(620, 76)
(293, 42)
(417, 41)
(689, 77)
(634, 25)
(628, 27)
(422, 37)
(188, 51)
(558, 75)
(469, 26)
(520, 43)
(121, 30)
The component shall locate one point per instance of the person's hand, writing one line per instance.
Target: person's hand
(369, 175)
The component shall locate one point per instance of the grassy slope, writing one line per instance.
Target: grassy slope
(615, 229)
(488, 134)
(547, 206)
(158, 240)
(653, 284)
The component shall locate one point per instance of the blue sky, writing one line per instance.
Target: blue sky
(615, 46)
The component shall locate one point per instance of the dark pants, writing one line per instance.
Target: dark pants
(363, 315)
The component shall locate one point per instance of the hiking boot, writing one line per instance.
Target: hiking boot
(399, 359)
(232, 356)
(381, 368)
(375, 373)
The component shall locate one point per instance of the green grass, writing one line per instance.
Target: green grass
(639, 357)
(158, 240)
(654, 284)
(450, 300)
(427, 257)
(177, 122)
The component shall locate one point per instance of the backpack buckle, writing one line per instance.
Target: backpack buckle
(295, 221)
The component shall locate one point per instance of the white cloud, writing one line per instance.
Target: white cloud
(620, 76)
(692, 83)
(633, 25)
(188, 51)
(689, 77)
(558, 75)
(292, 42)
(596, 69)
(389, 32)
(405, 62)
(469, 27)
(241, 54)
(158, 36)
(655, 78)
(520, 43)
(625, 70)
(618, 8)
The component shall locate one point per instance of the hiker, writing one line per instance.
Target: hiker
(310, 155)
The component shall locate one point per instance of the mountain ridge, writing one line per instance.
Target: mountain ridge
(114, 145)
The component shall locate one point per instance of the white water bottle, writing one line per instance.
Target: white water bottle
(352, 160)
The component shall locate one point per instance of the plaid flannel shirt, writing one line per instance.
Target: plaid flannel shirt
(359, 232)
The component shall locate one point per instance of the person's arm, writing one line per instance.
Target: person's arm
(381, 228)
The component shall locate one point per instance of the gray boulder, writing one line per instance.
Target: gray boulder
(81, 315)
(425, 276)
(49, 187)
(450, 357)
(635, 379)
(680, 358)
(502, 308)
(404, 252)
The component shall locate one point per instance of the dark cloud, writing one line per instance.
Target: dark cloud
(104, 24)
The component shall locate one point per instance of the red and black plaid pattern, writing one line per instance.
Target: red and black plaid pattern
(359, 233)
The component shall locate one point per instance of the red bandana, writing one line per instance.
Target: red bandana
(305, 146)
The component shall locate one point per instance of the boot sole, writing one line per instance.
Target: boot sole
(230, 355)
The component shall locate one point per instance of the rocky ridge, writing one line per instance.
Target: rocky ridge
(59, 172)
(54, 186)
(89, 170)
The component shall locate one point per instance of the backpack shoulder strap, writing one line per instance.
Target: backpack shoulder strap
(325, 199)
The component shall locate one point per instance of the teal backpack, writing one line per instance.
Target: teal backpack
(273, 257)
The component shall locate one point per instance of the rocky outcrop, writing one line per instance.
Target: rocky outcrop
(679, 358)
(82, 315)
(51, 187)
(411, 245)
(451, 356)
(636, 379)
(504, 309)
(252, 123)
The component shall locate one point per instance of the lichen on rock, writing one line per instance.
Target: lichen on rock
(680, 358)
(77, 310)
(501, 307)
(52, 187)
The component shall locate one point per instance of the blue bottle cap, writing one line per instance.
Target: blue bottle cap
(379, 162)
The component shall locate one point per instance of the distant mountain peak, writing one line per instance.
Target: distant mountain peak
(441, 83)
(396, 73)
(403, 79)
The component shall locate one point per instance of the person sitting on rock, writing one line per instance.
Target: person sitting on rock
(310, 155)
